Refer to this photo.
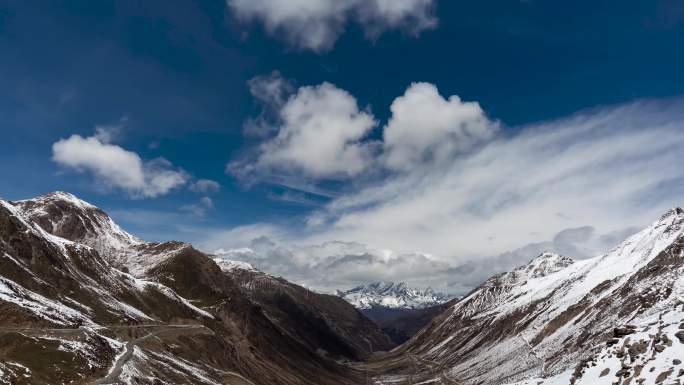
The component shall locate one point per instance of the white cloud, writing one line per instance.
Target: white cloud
(608, 168)
(107, 133)
(320, 133)
(271, 91)
(339, 265)
(200, 208)
(203, 186)
(316, 24)
(577, 185)
(425, 127)
(319, 136)
(115, 167)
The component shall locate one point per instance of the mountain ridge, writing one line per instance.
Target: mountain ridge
(77, 299)
(81, 299)
(391, 295)
(519, 326)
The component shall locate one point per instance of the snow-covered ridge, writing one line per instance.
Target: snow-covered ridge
(391, 295)
(60, 309)
(63, 214)
(230, 265)
(540, 320)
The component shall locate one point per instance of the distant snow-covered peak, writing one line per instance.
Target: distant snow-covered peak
(391, 295)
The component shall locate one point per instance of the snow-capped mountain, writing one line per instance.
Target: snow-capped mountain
(81, 299)
(392, 296)
(556, 321)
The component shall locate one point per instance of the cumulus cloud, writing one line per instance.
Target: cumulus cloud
(115, 167)
(319, 136)
(316, 24)
(425, 127)
(577, 185)
(204, 186)
(319, 132)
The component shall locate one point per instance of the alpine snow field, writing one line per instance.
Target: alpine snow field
(84, 302)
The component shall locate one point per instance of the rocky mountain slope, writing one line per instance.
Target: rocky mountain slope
(402, 324)
(82, 301)
(612, 319)
(329, 322)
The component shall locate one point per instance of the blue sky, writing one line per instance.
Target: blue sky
(171, 80)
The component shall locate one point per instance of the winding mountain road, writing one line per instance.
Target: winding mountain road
(129, 349)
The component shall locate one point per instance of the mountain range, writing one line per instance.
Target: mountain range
(391, 295)
(84, 302)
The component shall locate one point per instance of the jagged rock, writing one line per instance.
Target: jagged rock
(623, 331)
(637, 348)
(680, 336)
(637, 370)
(663, 376)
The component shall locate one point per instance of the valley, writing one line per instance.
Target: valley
(84, 302)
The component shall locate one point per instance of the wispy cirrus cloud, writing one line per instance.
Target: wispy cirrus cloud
(205, 186)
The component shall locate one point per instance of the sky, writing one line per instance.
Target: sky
(340, 142)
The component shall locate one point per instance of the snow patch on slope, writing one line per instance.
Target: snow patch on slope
(230, 265)
(59, 210)
(45, 308)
